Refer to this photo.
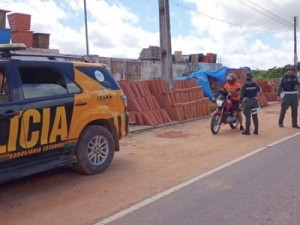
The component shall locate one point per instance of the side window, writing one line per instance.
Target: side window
(42, 82)
(71, 86)
(4, 92)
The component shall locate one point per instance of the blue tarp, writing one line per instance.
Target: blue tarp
(201, 77)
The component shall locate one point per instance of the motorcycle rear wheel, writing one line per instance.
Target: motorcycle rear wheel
(215, 124)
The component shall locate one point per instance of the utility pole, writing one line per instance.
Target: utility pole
(86, 29)
(295, 41)
(165, 43)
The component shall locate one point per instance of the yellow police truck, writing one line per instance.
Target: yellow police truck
(57, 112)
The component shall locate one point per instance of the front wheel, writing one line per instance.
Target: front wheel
(234, 124)
(215, 124)
(95, 150)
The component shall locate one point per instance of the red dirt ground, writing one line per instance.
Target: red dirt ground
(149, 162)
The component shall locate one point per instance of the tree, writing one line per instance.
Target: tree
(274, 72)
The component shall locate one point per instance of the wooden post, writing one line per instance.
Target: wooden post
(165, 43)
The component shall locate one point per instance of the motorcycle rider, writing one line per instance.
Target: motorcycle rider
(233, 87)
(249, 92)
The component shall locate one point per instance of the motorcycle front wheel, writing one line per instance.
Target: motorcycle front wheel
(215, 124)
(234, 124)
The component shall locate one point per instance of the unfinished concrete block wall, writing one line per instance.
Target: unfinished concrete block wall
(136, 69)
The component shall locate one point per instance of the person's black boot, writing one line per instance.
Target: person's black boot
(255, 132)
(246, 132)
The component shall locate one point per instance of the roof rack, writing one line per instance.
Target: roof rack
(5, 52)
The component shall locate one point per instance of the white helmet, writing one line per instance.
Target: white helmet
(231, 77)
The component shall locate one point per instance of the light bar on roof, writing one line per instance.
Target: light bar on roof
(12, 47)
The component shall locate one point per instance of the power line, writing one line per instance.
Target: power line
(258, 9)
(266, 10)
(206, 15)
(222, 20)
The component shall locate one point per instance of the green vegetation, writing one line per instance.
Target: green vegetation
(274, 72)
(268, 74)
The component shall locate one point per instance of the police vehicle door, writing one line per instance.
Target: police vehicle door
(47, 107)
(10, 113)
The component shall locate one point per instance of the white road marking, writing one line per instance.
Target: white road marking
(186, 183)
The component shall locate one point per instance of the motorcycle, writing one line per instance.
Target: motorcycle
(224, 113)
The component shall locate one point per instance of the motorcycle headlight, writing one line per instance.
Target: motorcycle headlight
(219, 102)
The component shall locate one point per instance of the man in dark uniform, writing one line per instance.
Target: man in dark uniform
(288, 94)
(249, 92)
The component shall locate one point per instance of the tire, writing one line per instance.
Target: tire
(95, 150)
(215, 124)
(234, 124)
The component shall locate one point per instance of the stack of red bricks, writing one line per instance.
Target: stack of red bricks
(269, 88)
(186, 101)
(142, 105)
(20, 28)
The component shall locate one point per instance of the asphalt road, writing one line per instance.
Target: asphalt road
(262, 189)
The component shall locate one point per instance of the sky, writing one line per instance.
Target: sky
(255, 33)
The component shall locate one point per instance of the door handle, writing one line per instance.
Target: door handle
(80, 103)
